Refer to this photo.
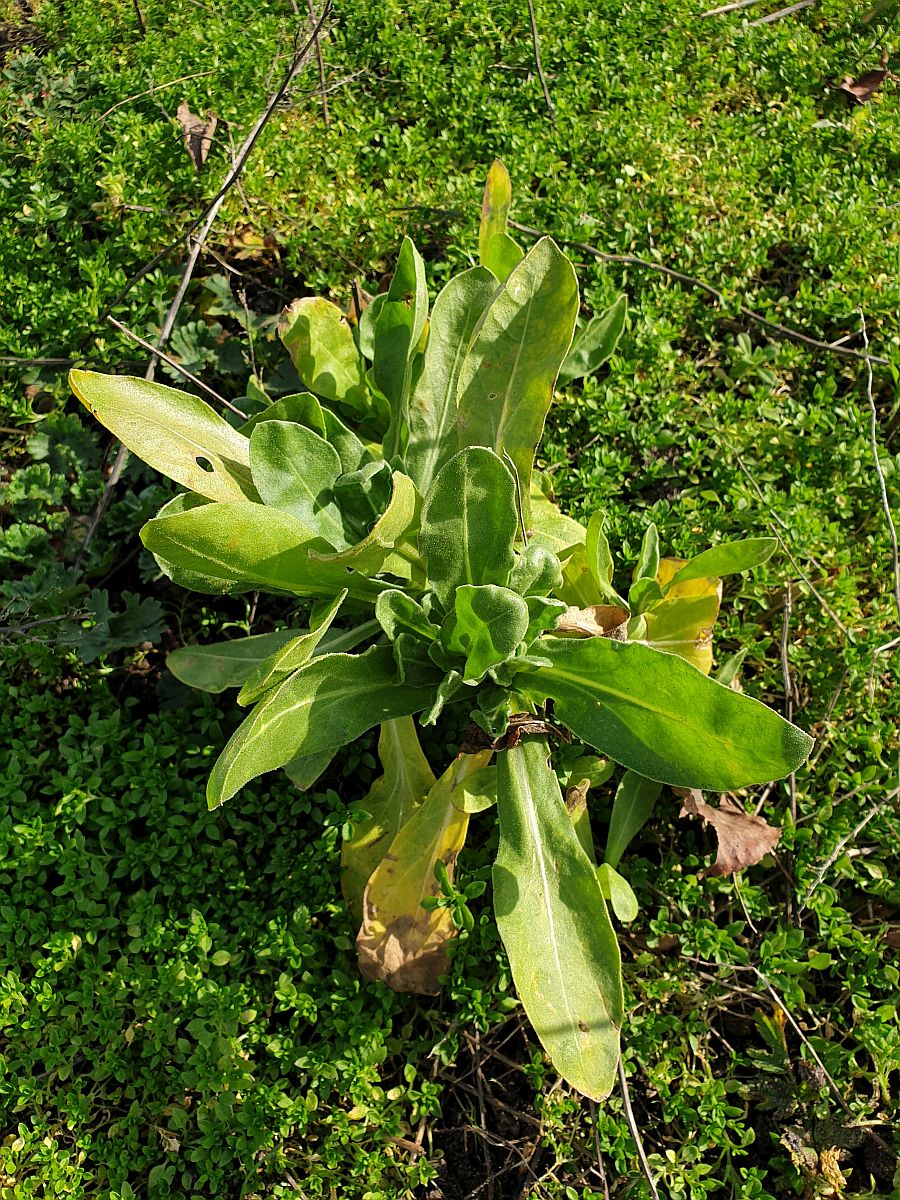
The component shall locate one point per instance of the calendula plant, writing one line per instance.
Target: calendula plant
(398, 492)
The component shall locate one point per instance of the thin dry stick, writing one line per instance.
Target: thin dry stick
(788, 685)
(601, 1170)
(321, 61)
(635, 1132)
(158, 353)
(882, 486)
(790, 335)
(726, 8)
(836, 853)
(157, 87)
(299, 61)
(782, 12)
(142, 24)
(537, 62)
(205, 223)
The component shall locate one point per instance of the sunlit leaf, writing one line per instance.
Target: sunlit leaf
(496, 249)
(594, 344)
(321, 346)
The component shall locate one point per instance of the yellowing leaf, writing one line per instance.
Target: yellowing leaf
(400, 942)
(390, 802)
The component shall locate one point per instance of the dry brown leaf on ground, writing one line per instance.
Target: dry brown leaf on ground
(858, 91)
(198, 133)
(743, 838)
(598, 620)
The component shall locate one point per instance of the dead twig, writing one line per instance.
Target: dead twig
(882, 485)
(782, 12)
(790, 335)
(536, 45)
(635, 1132)
(326, 119)
(158, 353)
(788, 685)
(726, 8)
(142, 24)
(204, 223)
(836, 853)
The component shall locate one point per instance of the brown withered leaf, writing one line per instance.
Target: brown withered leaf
(858, 91)
(742, 837)
(198, 133)
(598, 620)
(520, 725)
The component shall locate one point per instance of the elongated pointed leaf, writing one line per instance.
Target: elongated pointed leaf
(287, 658)
(222, 665)
(553, 921)
(322, 349)
(469, 523)
(728, 558)
(295, 470)
(496, 249)
(618, 891)
(635, 798)
(306, 770)
(173, 432)
(398, 333)
(390, 802)
(648, 562)
(391, 545)
(595, 343)
(250, 545)
(548, 526)
(432, 403)
(401, 943)
(322, 706)
(660, 717)
(506, 381)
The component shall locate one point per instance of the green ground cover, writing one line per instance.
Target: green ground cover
(181, 1010)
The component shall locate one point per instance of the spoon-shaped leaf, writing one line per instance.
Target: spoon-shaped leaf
(553, 920)
(295, 471)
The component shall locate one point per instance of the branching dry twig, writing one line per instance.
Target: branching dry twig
(882, 485)
(788, 685)
(782, 12)
(726, 8)
(204, 223)
(790, 335)
(321, 63)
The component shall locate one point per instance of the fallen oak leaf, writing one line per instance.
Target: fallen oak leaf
(743, 839)
(198, 133)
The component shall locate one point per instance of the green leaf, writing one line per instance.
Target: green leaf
(224, 665)
(301, 408)
(595, 343)
(486, 626)
(536, 572)
(289, 657)
(432, 403)
(391, 546)
(506, 380)
(321, 346)
(295, 470)
(398, 332)
(365, 330)
(599, 559)
(579, 586)
(728, 558)
(550, 528)
(496, 249)
(469, 523)
(398, 613)
(659, 716)
(173, 432)
(619, 893)
(476, 792)
(391, 800)
(643, 595)
(250, 545)
(648, 562)
(322, 706)
(305, 770)
(553, 921)
(635, 798)
(543, 613)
